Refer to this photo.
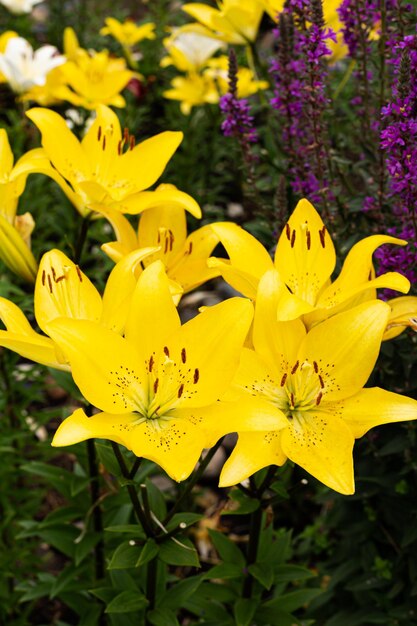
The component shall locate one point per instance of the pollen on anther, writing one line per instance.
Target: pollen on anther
(322, 234)
(321, 381)
(293, 238)
(294, 369)
(131, 142)
(119, 147)
(292, 400)
(316, 367)
(283, 379)
(43, 277)
(196, 375)
(155, 385)
(99, 133)
(318, 399)
(150, 367)
(50, 283)
(53, 273)
(183, 355)
(180, 390)
(166, 351)
(104, 142)
(288, 231)
(77, 269)
(308, 235)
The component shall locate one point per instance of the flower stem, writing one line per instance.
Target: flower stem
(195, 478)
(97, 517)
(252, 552)
(82, 237)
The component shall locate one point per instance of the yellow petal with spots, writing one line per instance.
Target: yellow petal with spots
(63, 290)
(305, 255)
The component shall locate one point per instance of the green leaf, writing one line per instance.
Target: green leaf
(293, 600)
(285, 573)
(275, 617)
(228, 551)
(63, 580)
(106, 456)
(125, 556)
(129, 529)
(156, 500)
(240, 504)
(127, 602)
(175, 597)
(184, 518)
(179, 552)
(244, 610)
(263, 572)
(85, 546)
(162, 617)
(224, 570)
(148, 552)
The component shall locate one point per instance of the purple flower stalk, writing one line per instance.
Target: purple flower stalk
(398, 259)
(299, 73)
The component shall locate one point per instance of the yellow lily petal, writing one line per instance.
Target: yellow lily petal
(323, 447)
(348, 345)
(165, 195)
(278, 342)
(372, 407)
(403, 314)
(153, 316)
(33, 347)
(119, 289)
(190, 268)
(163, 225)
(15, 253)
(78, 427)
(210, 346)
(305, 255)
(252, 452)
(13, 318)
(7, 158)
(101, 143)
(356, 273)
(244, 283)
(63, 290)
(146, 162)
(62, 147)
(119, 381)
(127, 240)
(245, 252)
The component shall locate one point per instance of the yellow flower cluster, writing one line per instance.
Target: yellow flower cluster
(284, 365)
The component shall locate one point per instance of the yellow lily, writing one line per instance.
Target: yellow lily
(105, 168)
(158, 387)
(163, 225)
(305, 259)
(331, 20)
(316, 381)
(15, 230)
(235, 21)
(192, 90)
(127, 33)
(403, 315)
(189, 51)
(63, 290)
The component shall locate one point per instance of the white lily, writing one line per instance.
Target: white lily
(24, 68)
(19, 7)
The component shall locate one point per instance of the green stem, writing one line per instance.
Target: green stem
(252, 553)
(135, 467)
(97, 516)
(151, 579)
(82, 237)
(193, 481)
(137, 507)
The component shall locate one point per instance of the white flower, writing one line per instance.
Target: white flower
(19, 6)
(189, 51)
(23, 68)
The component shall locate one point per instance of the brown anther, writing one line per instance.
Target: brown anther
(292, 400)
(283, 379)
(99, 133)
(58, 280)
(104, 142)
(171, 240)
(119, 148)
(131, 142)
(53, 273)
(166, 350)
(155, 385)
(293, 238)
(288, 231)
(294, 369)
(321, 381)
(50, 283)
(190, 247)
(80, 276)
(43, 277)
(183, 355)
(196, 375)
(126, 134)
(316, 367)
(322, 234)
(166, 245)
(308, 235)
(151, 362)
(370, 275)
(318, 399)
(180, 390)
(159, 237)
